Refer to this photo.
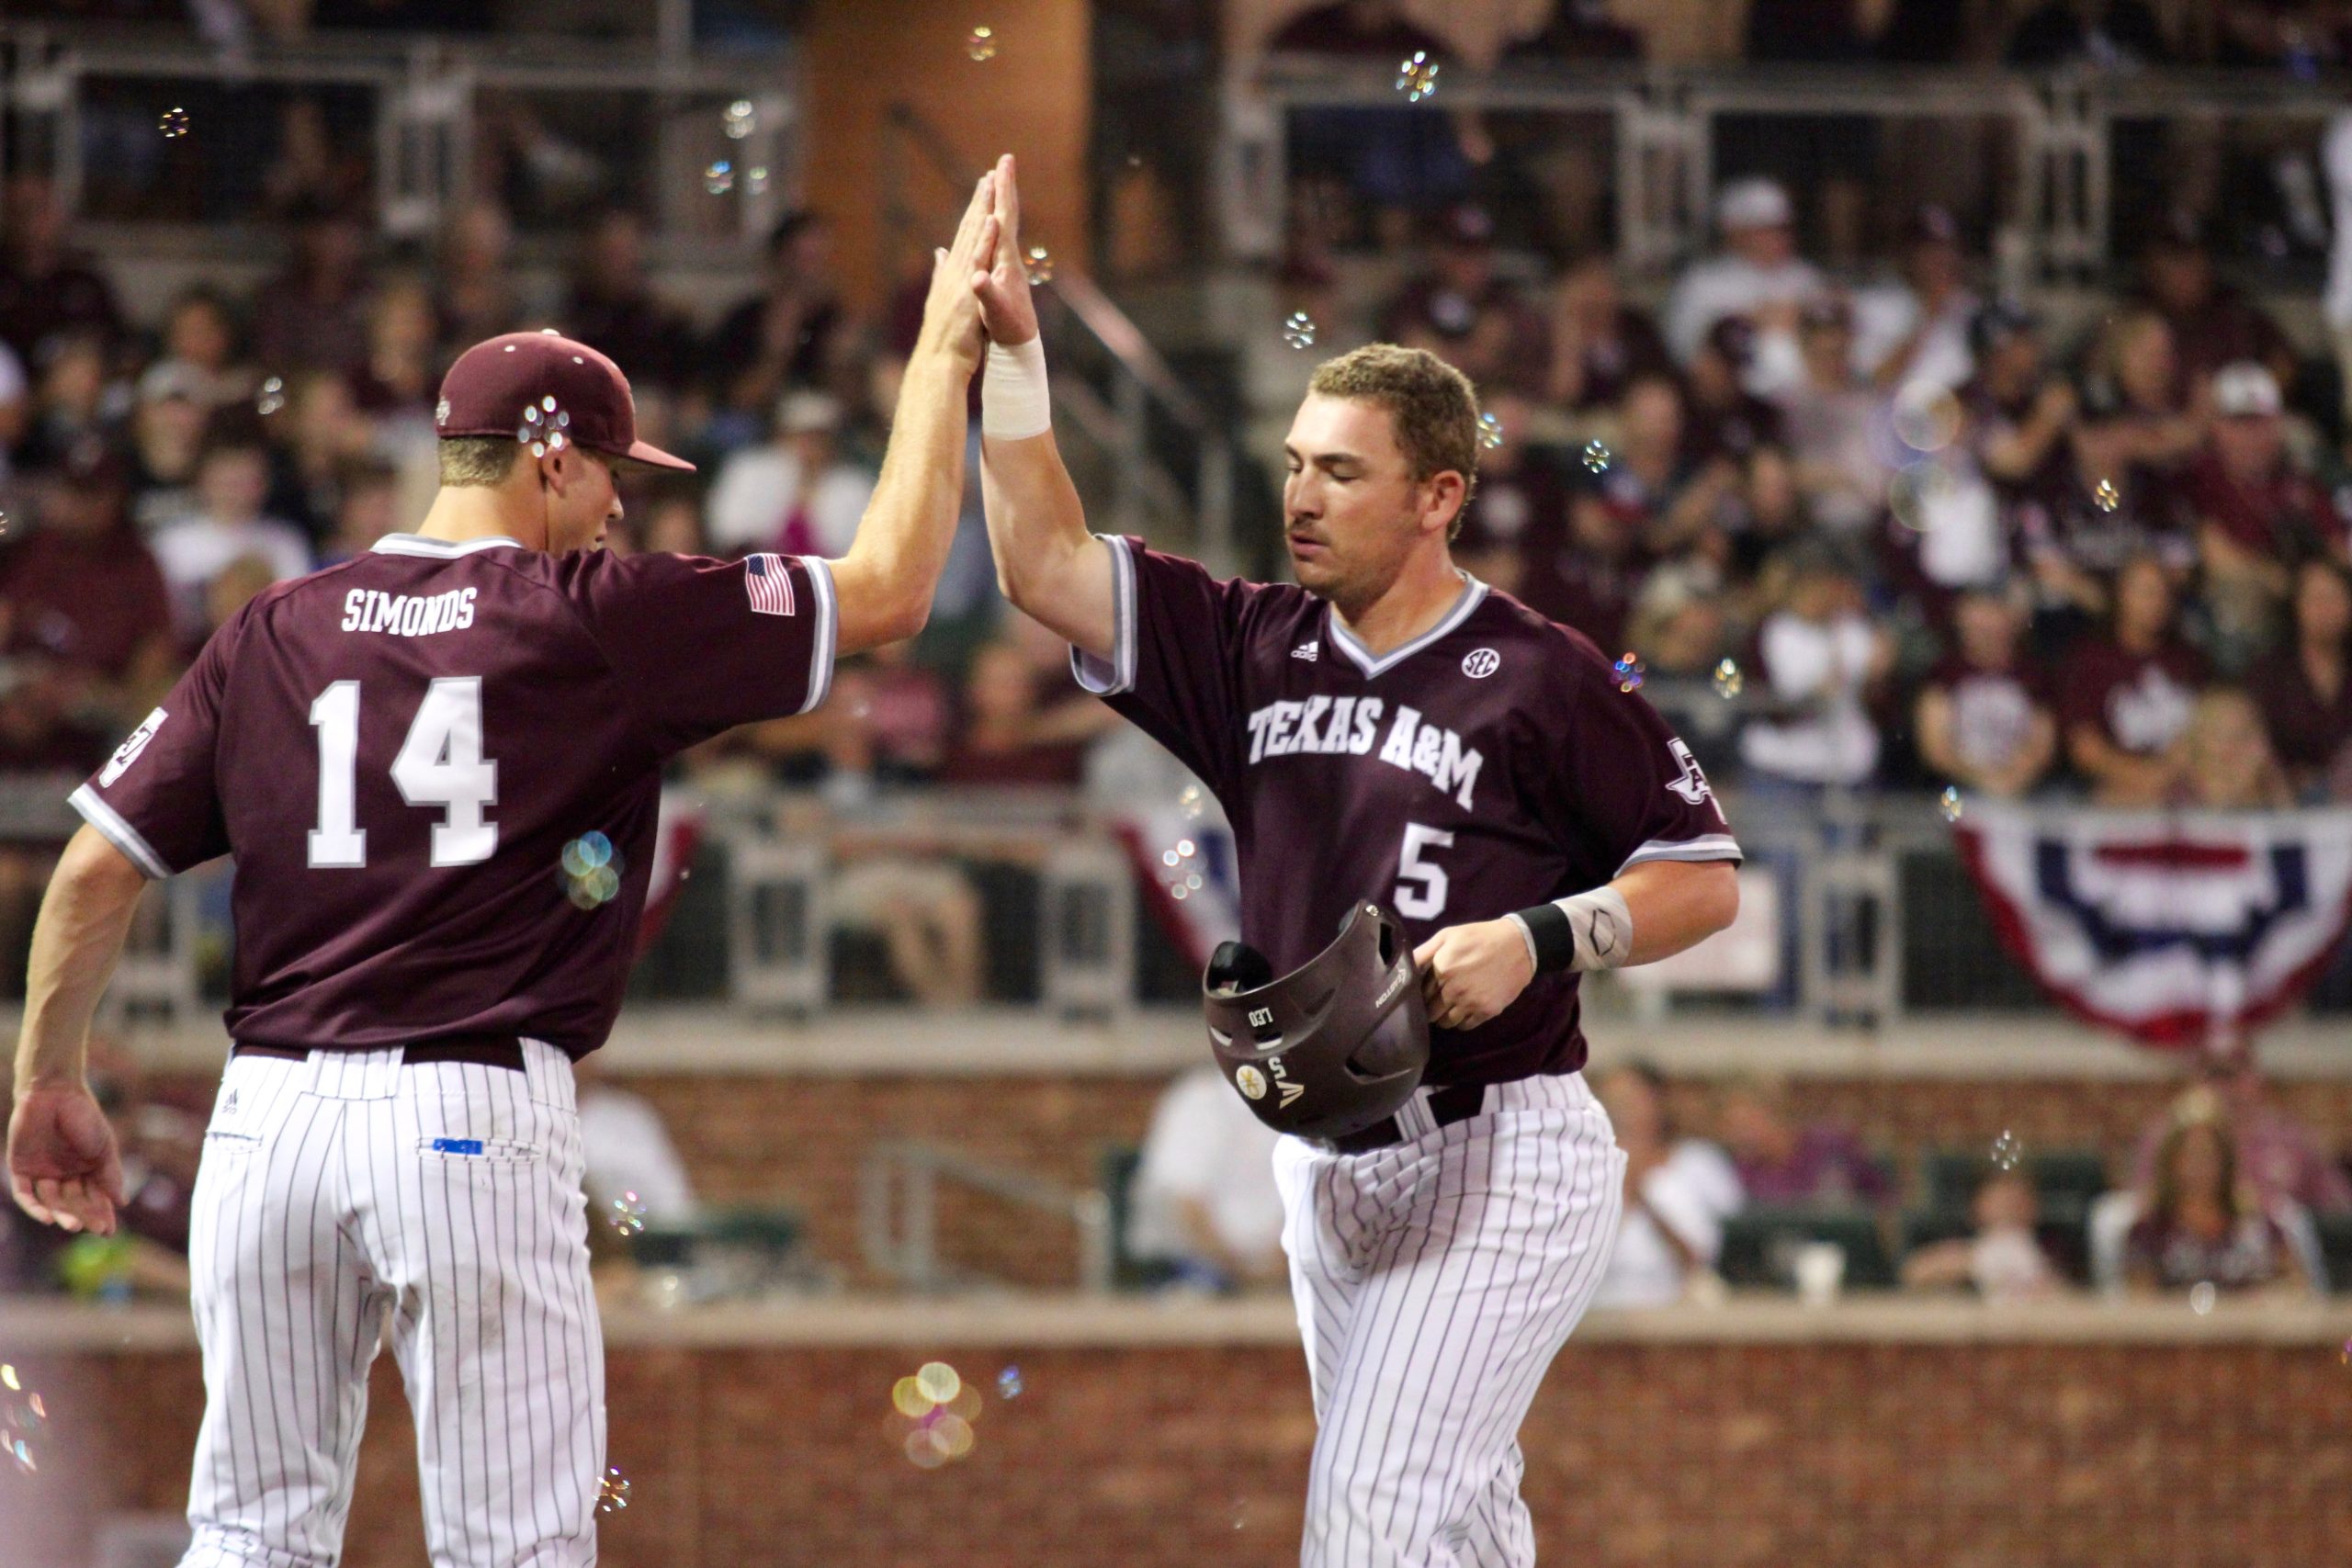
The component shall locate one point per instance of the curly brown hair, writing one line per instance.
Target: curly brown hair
(1431, 405)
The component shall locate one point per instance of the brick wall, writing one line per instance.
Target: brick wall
(1996, 1455)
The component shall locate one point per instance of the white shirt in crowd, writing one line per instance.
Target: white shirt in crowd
(1730, 286)
(1204, 1146)
(1691, 1192)
(1885, 317)
(1819, 666)
(759, 489)
(2335, 158)
(628, 1150)
(194, 550)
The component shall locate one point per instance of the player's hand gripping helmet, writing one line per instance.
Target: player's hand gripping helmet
(1332, 1047)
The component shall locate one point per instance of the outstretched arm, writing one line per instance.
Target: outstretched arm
(1047, 563)
(884, 585)
(63, 1165)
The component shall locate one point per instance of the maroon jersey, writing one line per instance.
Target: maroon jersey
(2141, 702)
(1489, 765)
(398, 750)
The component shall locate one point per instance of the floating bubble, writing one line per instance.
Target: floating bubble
(740, 119)
(925, 1449)
(1629, 671)
(591, 870)
(1913, 494)
(938, 1382)
(1298, 330)
(272, 398)
(954, 1434)
(1927, 417)
(720, 178)
(908, 1398)
(1190, 802)
(8, 1378)
(1039, 264)
(1179, 892)
(628, 1215)
(1416, 78)
(2007, 1151)
(2107, 496)
(1193, 882)
(1598, 457)
(1728, 680)
(1008, 1384)
(1949, 803)
(1169, 857)
(612, 1492)
(1185, 848)
(2347, 1353)
(981, 45)
(965, 1405)
(173, 125)
(2200, 1297)
(1490, 432)
(755, 178)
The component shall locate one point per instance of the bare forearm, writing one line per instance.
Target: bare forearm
(893, 566)
(1048, 565)
(83, 921)
(1677, 904)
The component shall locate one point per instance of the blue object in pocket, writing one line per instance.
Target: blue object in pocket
(457, 1146)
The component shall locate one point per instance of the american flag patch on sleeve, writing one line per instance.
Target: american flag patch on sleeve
(767, 584)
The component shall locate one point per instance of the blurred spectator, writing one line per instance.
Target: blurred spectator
(794, 492)
(1677, 1194)
(1679, 619)
(2200, 1224)
(2212, 323)
(1521, 508)
(2129, 696)
(1599, 344)
(2278, 1156)
(1645, 492)
(231, 483)
(46, 286)
(1833, 423)
(1821, 655)
(1758, 275)
(1915, 330)
(1204, 1203)
(321, 432)
(2335, 160)
(1566, 162)
(790, 333)
(310, 171)
(1401, 160)
(2110, 34)
(1831, 157)
(1781, 1162)
(1724, 418)
(313, 316)
(166, 439)
(368, 493)
(1463, 312)
(1024, 723)
(2256, 514)
(475, 290)
(2019, 414)
(2001, 1259)
(2226, 760)
(2143, 423)
(2305, 688)
(612, 305)
(75, 404)
(404, 369)
(1987, 718)
(630, 1158)
(202, 337)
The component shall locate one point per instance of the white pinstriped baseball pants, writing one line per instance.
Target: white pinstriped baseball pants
(343, 1191)
(1435, 1281)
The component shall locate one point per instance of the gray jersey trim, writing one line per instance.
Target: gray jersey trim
(440, 550)
(1473, 594)
(1108, 680)
(821, 669)
(1711, 846)
(118, 832)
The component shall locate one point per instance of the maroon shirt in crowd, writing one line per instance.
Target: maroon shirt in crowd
(89, 602)
(1828, 1164)
(506, 702)
(1488, 765)
(2141, 702)
(2284, 517)
(2307, 731)
(1992, 709)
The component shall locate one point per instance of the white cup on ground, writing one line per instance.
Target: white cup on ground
(1820, 1268)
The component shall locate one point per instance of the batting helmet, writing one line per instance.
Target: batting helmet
(1332, 1047)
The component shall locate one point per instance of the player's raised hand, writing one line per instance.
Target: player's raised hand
(1470, 972)
(1007, 311)
(951, 317)
(62, 1164)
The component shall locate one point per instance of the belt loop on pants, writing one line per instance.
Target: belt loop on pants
(487, 1050)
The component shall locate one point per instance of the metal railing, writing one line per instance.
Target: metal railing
(899, 1216)
(424, 98)
(2056, 210)
(1164, 457)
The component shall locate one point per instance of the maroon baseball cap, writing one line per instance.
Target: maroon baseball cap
(523, 383)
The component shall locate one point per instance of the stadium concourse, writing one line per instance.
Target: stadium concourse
(1937, 412)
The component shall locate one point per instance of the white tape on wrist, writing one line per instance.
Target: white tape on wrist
(1015, 403)
(1603, 928)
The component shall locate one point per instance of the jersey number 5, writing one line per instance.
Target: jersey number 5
(1420, 882)
(440, 764)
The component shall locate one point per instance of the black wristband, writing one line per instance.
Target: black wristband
(1555, 939)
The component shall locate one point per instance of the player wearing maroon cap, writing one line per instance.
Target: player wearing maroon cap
(1391, 731)
(437, 767)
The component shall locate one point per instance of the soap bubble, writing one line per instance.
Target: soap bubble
(1490, 432)
(1416, 78)
(981, 45)
(720, 178)
(2200, 1297)
(628, 1215)
(938, 1382)
(1190, 802)
(1597, 455)
(1629, 671)
(1950, 803)
(1008, 1384)
(755, 178)
(272, 398)
(173, 125)
(1728, 680)
(2107, 496)
(1039, 264)
(612, 1492)
(1927, 417)
(740, 120)
(1298, 330)
(2007, 1151)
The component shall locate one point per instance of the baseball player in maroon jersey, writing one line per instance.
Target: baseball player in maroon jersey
(1390, 731)
(437, 767)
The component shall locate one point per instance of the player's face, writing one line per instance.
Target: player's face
(1352, 511)
(583, 499)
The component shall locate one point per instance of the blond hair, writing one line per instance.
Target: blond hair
(467, 460)
(1431, 406)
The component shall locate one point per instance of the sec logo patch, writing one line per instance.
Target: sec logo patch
(1481, 663)
(1249, 1081)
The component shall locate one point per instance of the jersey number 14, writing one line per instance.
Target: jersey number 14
(440, 763)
